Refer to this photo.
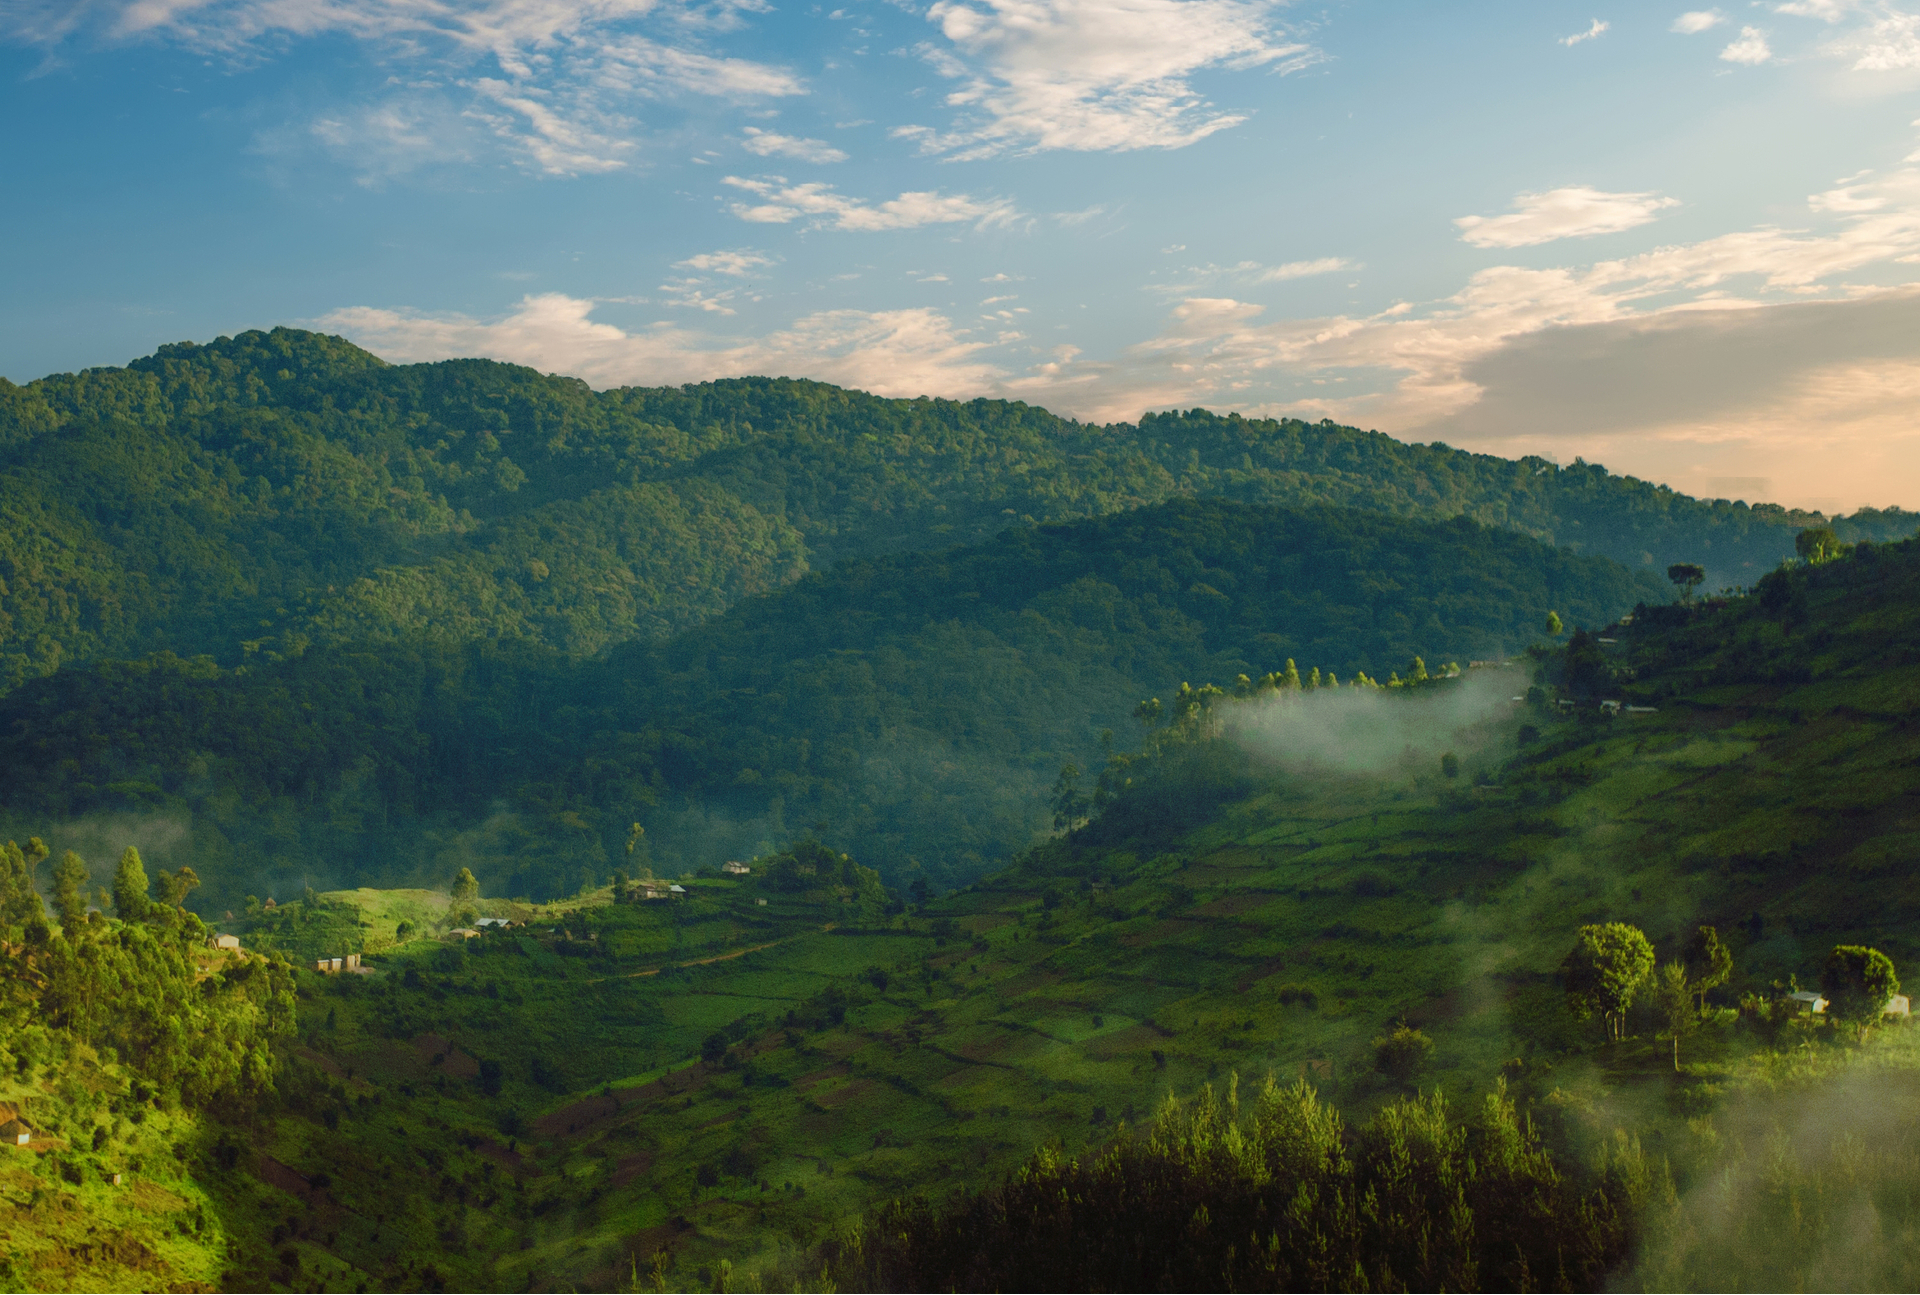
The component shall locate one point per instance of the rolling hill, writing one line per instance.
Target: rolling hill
(272, 490)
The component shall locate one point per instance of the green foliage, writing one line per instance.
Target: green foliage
(1402, 1054)
(465, 888)
(130, 886)
(70, 880)
(1553, 625)
(1817, 544)
(1605, 970)
(273, 490)
(1686, 576)
(1707, 962)
(19, 896)
(1857, 982)
(910, 702)
(1281, 1199)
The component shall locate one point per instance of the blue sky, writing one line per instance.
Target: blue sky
(1684, 243)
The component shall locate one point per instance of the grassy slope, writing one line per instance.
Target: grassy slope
(1390, 896)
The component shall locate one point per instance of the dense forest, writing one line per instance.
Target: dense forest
(916, 705)
(272, 490)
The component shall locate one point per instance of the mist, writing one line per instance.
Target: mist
(1374, 730)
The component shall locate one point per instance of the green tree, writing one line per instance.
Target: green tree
(19, 894)
(1857, 982)
(173, 888)
(70, 891)
(1604, 972)
(1555, 626)
(1708, 962)
(130, 900)
(1817, 544)
(465, 888)
(1450, 765)
(1673, 997)
(1069, 804)
(1686, 577)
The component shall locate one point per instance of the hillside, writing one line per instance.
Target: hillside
(620, 1092)
(912, 707)
(272, 490)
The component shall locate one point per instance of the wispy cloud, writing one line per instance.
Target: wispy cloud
(766, 143)
(1093, 75)
(1192, 278)
(1695, 21)
(1597, 29)
(556, 81)
(1750, 49)
(781, 203)
(1578, 211)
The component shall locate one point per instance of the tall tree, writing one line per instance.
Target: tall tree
(1554, 625)
(70, 891)
(1708, 963)
(1605, 971)
(130, 900)
(1857, 982)
(465, 888)
(19, 895)
(1686, 577)
(1673, 996)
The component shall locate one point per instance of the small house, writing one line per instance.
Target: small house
(353, 962)
(16, 1133)
(676, 890)
(486, 922)
(1898, 1006)
(734, 867)
(1807, 1003)
(269, 906)
(760, 903)
(653, 892)
(464, 932)
(1609, 708)
(226, 942)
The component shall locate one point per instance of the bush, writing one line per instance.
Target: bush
(1401, 1054)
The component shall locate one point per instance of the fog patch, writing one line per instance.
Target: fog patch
(1361, 730)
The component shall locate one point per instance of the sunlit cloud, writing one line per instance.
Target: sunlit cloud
(773, 201)
(1093, 75)
(1578, 211)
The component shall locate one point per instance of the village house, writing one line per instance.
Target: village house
(653, 892)
(13, 1129)
(1807, 1002)
(735, 867)
(501, 922)
(226, 942)
(676, 890)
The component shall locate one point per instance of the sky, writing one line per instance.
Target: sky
(1683, 243)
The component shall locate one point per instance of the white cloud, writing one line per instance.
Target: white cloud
(738, 263)
(1578, 211)
(1598, 28)
(782, 203)
(1750, 49)
(1891, 43)
(1303, 269)
(555, 80)
(1695, 21)
(891, 352)
(768, 144)
(1093, 75)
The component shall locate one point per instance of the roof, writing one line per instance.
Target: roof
(493, 921)
(677, 890)
(14, 1128)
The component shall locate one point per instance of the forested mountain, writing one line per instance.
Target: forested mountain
(913, 705)
(275, 489)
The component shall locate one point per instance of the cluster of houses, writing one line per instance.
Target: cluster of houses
(333, 966)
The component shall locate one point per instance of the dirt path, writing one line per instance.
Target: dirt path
(702, 962)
